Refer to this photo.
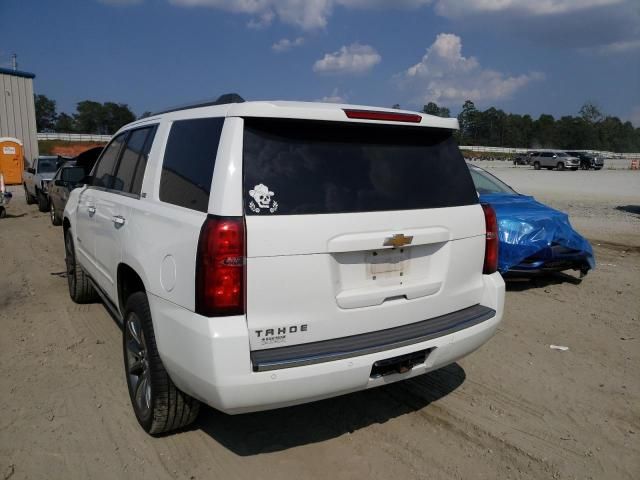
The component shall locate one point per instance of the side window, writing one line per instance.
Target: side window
(136, 186)
(103, 171)
(188, 164)
(132, 155)
(547, 154)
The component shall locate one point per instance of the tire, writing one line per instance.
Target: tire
(28, 196)
(597, 168)
(43, 201)
(3, 212)
(80, 288)
(55, 219)
(536, 165)
(560, 166)
(159, 405)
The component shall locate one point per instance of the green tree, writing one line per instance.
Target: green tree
(544, 132)
(89, 117)
(65, 124)
(432, 108)
(468, 120)
(116, 115)
(45, 112)
(590, 113)
(101, 118)
(517, 130)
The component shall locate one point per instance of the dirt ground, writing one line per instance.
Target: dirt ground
(514, 409)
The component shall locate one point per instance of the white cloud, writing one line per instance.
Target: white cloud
(445, 76)
(459, 8)
(623, 46)
(335, 97)
(264, 20)
(306, 14)
(355, 58)
(384, 3)
(285, 44)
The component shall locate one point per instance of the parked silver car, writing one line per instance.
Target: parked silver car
(551, 159)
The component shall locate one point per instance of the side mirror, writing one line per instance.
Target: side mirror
(31, 171)
(60, 183)
(87, 180)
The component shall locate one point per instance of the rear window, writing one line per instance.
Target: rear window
(47, 165)
(294, 167)
(188, 164)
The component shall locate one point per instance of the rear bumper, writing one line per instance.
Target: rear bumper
(210, 359)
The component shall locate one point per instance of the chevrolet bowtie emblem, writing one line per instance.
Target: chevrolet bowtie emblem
(397, 240)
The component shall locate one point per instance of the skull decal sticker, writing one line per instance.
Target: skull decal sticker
(262, 199)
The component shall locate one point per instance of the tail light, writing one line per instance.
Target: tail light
(220, 267)
(491, 247)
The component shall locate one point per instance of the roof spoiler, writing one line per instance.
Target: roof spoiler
(223, 99)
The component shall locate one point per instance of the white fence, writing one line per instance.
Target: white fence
(74, 137)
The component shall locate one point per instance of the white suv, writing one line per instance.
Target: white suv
(266, 254)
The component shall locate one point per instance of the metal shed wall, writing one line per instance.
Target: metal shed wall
(17, 111)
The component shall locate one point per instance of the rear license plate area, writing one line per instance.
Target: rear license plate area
(400, 364)
(387, 264)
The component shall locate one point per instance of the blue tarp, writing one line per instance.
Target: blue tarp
(527, 227)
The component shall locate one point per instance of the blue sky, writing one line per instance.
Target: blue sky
(524, 56)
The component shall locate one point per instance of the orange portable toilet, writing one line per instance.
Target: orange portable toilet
(11, 160)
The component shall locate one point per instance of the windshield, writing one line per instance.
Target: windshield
(294, 167)
(486, 183)
(47, 165)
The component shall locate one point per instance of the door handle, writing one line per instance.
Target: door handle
(118, 221)
(91, 210)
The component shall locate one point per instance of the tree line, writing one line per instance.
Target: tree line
(590, 129)
(90, 117)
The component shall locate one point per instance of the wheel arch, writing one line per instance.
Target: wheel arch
(129, 282)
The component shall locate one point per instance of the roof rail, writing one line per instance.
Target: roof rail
(221, 100)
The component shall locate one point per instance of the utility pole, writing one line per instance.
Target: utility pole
(14, 61)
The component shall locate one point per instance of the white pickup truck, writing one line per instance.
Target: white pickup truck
(36, 178)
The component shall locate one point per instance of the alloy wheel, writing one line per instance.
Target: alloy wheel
(138, 371)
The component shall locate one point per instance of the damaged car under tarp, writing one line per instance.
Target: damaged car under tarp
(534, 238)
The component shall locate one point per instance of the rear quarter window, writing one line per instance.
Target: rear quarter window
(188, 163)
(294, 167)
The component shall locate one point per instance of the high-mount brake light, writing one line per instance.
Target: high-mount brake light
(383, 116)
(220, 267)
(491, 244)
